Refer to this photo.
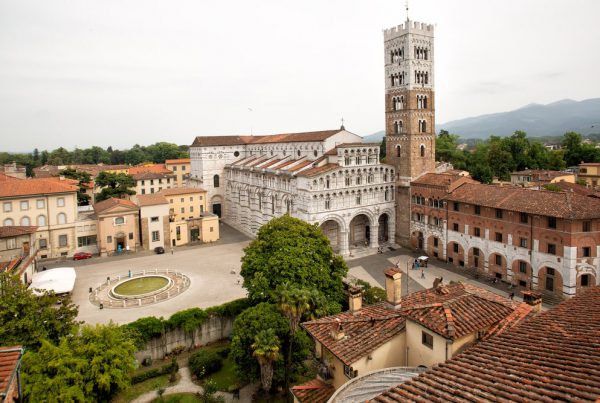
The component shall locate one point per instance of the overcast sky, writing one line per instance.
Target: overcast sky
(108, 72)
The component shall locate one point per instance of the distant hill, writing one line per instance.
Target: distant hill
(536, 120)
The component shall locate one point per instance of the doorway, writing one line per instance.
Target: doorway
(217, 209)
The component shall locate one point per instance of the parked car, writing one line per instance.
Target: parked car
(159, 250)
(82, 255)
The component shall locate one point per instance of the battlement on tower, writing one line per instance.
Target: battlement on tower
(413, 27)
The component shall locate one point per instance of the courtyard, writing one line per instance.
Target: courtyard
(213, 270)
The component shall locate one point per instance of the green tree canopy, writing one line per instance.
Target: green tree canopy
(83, 199)
(27, 319)
(91, 365)
(290, 251)
(114, 185)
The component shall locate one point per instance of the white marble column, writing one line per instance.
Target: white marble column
(374, 235)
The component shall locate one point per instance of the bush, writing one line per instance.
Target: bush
(204, 363)
(141, 377)
(223, 352)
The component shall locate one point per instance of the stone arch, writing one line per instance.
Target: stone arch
(216, 205)
(497, 265)
(585, 280)
(550, 280)
(359, 229)
(417, 240)
(434, 248)
(385, 226)
(521, 273)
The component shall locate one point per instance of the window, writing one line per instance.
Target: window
(174, 168)
(523, 242)
(587, 226)
(151, 181)
(358, 199)
(191, 198)
(7, 207)
(456, 206)
(498, 237)
(211, 229)
(62, 241)
(183, 210)
(109, 239)
(524, 218)
(60, 202)
(551, 222)
(455, 227)
(582, 170)
(11, 243)
(398, 150)
(24, 205)
(550, 271)
(61, 218)
(349, 372)
(216, 181)
(183, 167)
(347, 181)
(552, 249)
(499, 213)
(8, 222)
(236, 153)
(143, 191)
(153, 219)
(587, 251)
(192, 208)
(427, 339)
(25, 221)
(155, 236)
(119, 220)
(478, 210)
(435, 242)
(455, 247)
(422, 151)
(475, 251)
(86, 240)
(522, 267)
(477, 231)
(181, 200)
(178, 233)
(327, 204)
(43, 243)
(131, 235)
(498, 259)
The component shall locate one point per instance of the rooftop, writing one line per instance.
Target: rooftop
(178, 161)
(551, 357)
(30, 187)
(313, 391)
(152, 199)
(263, 139)
(181, 191)
(112, 202)
(10, 358)
(12, 231)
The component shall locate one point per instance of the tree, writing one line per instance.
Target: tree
(290, 251)
(114, 185)
(266, 350)
(94, 364)
(28, 319)
(446, 150)
(84, 178)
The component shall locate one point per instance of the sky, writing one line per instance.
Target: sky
(77, 73)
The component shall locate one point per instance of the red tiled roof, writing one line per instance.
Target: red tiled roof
(152, 199)
(576, 188)
(272, 138)
(313, 391)
(554, 356)
(4, 177)
(458, 309)
(9, 361)
(16, 230)
(150, 169)
(311, 172)
(178, 161)
(443, 180)
(153, 175)
(542, 202)
(112, 202)
(28, 187)
(300, 166)
(542, 173)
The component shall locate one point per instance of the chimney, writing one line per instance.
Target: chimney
(337, 332)
(355, 299)
(393, 286)
(534, 299)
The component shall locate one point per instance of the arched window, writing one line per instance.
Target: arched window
(422, 150)
(25, 221)
(119, 220)
(424, 126)
(216, 181)
(61, 218)
(387, 195)
(8, 222)
(358, 180)
(398, 150)
(41, 221)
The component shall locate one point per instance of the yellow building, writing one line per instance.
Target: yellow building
(180, 167)
(189, 218)
(51, 205)
(590, 173)
(118, 226)
(421, 330)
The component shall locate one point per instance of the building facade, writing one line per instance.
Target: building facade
(409, 111)
(590, 174)
(549, 241)
(18, 251)
(118, 226)
(181, 168)
(329, 178)
(154, 221)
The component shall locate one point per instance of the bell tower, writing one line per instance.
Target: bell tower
(409, 111)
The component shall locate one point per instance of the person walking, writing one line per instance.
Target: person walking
(422, 273)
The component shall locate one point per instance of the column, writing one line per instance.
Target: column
(344, 243)
(374, 235)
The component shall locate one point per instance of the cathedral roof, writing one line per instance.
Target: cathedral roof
(201, 141)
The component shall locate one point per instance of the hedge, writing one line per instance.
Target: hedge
(203, 363)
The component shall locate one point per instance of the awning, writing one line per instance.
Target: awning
(60, 280)
(423, 257)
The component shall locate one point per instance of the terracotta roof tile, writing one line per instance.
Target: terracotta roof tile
(542, 174)
(149, 168)
(153, 175)
(272, 138)
(15, 230)
(552, 357)
(542, 202)
(152, 199)
(178, 161)
(28, 187)
(313, 391)
(311, 172)
(4, 177)
(9, 361)
(112, 202)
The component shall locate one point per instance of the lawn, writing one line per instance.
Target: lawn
(141, 285)
(138, 389)
(225, 380)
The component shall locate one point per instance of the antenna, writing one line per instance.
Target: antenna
(406, 4)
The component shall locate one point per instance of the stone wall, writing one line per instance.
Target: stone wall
(213, 329)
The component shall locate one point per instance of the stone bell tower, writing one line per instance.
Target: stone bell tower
(409, 111)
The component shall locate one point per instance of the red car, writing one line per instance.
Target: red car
(82, 255)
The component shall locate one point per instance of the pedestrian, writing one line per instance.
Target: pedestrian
(422, 273)
(129, 273)
(417, 264)
(172, 250)
(44, 268)
(512, 295)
